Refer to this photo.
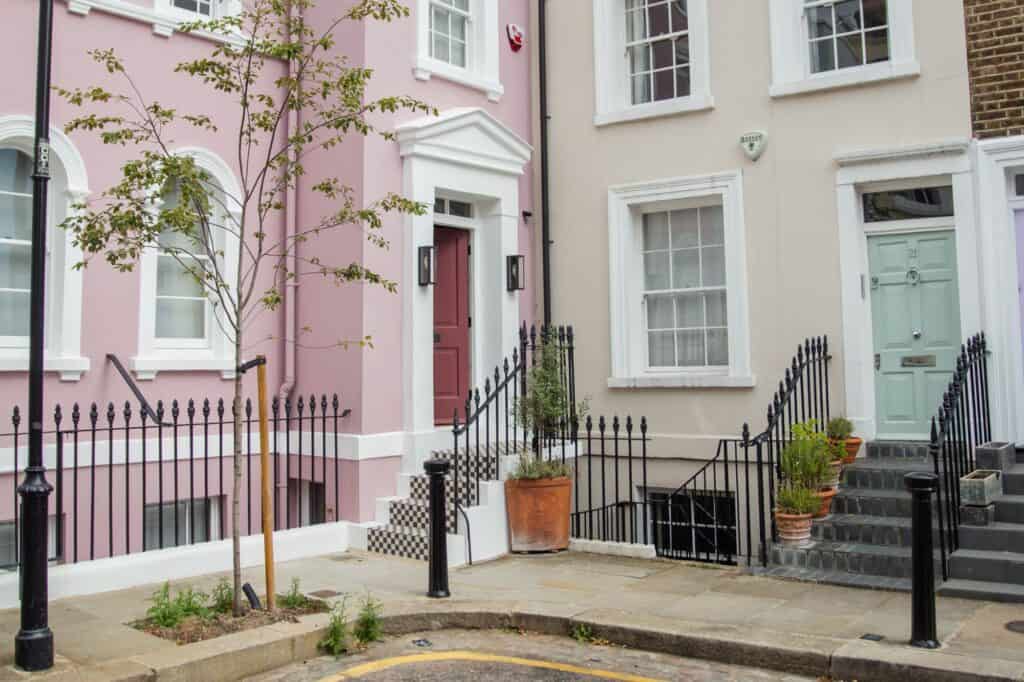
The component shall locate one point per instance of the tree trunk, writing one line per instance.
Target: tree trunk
(236, 546)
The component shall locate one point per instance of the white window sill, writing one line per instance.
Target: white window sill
(71, 368)
(426, 68)
(146, 367)
(164, 24)
(683, 380)
(845, 78)
(682, 105)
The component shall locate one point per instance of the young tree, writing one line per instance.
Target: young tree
(274, 64)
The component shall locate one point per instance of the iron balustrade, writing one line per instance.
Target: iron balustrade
(126, 481)
(727, 505)
(960, 425)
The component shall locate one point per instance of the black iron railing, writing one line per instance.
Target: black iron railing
(491, 426)
(609, 464)
(723, 512)
(132, 479)
(961, 424)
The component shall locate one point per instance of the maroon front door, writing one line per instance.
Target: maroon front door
(451, 323)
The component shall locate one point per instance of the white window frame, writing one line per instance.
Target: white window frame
(70, 185)
(215, 353)
(482, 50)
(791, 71)
(613, 100)
(626, 204)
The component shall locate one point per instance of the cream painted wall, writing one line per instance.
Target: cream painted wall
(789, 196)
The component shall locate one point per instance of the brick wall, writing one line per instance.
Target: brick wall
(995, 58)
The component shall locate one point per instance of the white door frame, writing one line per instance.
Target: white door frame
(945, 162)
(994, 160)
(469, 155)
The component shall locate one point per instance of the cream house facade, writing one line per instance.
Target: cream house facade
(692, 271)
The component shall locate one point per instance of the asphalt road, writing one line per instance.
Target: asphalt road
(512, 656)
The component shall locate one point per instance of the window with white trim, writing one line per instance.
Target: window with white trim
(449, 20)
(678, 284)
(846, 34)
(15, 245)
(822, 44)
(684, 288)
(651, 58)
(68, 184)
(458, 40)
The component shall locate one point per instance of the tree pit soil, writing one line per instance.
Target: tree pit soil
(197, 629)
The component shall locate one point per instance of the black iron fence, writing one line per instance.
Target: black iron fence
(132, 479)
(961, 424)
(491, 424)
(723, 512)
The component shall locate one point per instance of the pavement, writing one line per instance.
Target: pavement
(707, 612)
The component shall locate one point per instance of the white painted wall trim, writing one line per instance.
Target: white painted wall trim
(611, 78)
(468, 154)
(64, 342)
(625, 276)
(791, 74)
(179, 563)
(160, 15)
(993, 161)
(945, 161)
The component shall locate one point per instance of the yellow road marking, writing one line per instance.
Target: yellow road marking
(386, 663)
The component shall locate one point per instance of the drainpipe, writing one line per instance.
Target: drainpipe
(291, 284)
(545, 231)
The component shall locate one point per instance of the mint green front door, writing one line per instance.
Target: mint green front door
(915, 313)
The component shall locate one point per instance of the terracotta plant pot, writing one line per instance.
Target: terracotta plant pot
(794, 529)
(852, 447)
(837, 472)
(825, 495)
(538, 514)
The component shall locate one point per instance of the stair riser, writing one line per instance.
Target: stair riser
(986, 569)
(866, 534)
(847, 562)
(992, 539)
(884, 450)
(1010, 512)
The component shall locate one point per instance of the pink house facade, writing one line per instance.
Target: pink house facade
(123, 488)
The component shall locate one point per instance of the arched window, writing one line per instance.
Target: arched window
(67, 186)
(182, 326)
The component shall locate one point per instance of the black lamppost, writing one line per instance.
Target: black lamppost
(33, 645)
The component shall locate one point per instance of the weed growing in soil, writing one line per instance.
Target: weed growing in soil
(336, 640)
(294, 599)
(368, 626)
(222, 599)
(167, 612)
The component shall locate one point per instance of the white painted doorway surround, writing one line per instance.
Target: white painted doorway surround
(946, 163)
(469, 155)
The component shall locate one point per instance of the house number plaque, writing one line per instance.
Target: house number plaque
(918, 361)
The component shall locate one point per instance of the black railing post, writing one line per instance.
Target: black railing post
(923, 627)
(436, 469)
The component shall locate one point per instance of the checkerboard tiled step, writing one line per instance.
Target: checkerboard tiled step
(412, 513)
(411, 543)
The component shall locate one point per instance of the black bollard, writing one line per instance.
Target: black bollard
(436, 470)
(923, 628)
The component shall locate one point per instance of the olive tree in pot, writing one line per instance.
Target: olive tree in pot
(539, 490)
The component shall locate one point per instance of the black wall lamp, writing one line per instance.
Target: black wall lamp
(515, 268)
(427, 265)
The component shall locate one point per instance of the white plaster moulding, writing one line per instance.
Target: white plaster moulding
(163, 25)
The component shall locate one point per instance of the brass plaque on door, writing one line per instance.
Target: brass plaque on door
(917, 361)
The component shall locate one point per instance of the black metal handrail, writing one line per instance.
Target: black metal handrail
(960, 425)
(723, 486)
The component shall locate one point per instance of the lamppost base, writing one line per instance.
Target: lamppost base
(33, 649)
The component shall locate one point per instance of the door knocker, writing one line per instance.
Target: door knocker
(913, 276)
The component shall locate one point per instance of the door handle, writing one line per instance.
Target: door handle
(878, 361)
